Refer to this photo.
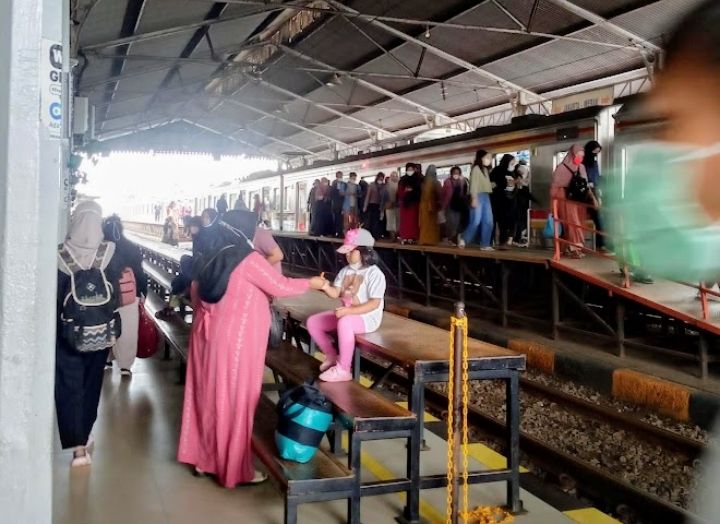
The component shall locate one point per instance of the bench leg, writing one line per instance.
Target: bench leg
(411, 514)
(290, 511)
(512, 398)
(353, 515)
(166, 354)
(182, 369)
(335, 438)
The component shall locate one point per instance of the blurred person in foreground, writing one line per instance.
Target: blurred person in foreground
(669, 210)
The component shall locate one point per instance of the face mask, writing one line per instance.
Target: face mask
(511, 168)
(456, 177)
(668, 232)
(486, 162)
(355, 266)
(577, 160)
(410, 172)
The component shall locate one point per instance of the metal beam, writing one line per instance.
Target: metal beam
(276, 140)
(288, 122)
(424, 110)
(169, 31)
(511, 86)
(598, 20)
(319, 105)
(131, 21)
(231, 137)
(447, 25)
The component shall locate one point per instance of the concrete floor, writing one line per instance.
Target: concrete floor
(135, 479)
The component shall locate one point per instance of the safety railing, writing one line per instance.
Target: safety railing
(558, 241)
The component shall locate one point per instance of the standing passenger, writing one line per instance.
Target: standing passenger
(430, 208)
(408, 194)
(226, 357)
(88, 277)
(361, 287)
(391, 209)
(129, 257)
(455, 205)
(592, 168)
(481, 215)
(503, 199)
(570, 213)
(337, 200)
(311, 206)
(523, 197)
(222, 205)
(373, 201)
(350, 204)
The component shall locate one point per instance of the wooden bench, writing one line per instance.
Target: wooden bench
(159, 276)
(367, 415)
(322, 478)
(174, 329)
(422, 352)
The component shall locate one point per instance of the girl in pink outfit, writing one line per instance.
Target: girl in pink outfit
(361, 287)
(226, 358)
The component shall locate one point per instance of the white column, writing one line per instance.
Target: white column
(29, 169)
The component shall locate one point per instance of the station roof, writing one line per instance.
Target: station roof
(312, 77)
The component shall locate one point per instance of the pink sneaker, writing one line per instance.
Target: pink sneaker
(336, 374)
(327, 364)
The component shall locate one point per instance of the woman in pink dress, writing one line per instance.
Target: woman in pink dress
(571, 213)
(226, 358)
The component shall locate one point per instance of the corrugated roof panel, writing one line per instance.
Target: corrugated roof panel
(103, 23)
(160, 14)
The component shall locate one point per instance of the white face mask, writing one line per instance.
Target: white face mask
(486, 162)
(410, 172)
(355, 266)
(657, 211)
(511, 168)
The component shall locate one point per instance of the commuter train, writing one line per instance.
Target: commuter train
(541, 140)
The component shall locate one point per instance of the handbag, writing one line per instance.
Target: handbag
(277, 328)
(304, 416)
(549, 231)
(148, 337)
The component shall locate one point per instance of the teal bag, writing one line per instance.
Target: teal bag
(304, 416)
(549, 231)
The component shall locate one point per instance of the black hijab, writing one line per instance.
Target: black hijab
(231, 242)
(590, 158)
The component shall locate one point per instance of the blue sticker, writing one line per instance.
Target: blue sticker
(56, 111)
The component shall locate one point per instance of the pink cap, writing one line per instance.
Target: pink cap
(355, 238)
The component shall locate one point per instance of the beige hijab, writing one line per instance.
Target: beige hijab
(86, 235)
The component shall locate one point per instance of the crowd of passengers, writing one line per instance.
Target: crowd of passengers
(489, 209)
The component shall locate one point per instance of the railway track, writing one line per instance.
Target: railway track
(593, 482)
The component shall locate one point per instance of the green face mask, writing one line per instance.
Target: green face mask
(658, 216)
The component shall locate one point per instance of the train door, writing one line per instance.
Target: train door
(301, 209)
(290, 209)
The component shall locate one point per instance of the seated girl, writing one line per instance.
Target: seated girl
(361, 287)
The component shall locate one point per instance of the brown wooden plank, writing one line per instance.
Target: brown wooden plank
(157, 274)
(350, 398)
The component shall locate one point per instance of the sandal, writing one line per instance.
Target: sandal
(259, 478)
(80, 460)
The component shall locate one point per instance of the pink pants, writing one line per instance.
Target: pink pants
(322, 324)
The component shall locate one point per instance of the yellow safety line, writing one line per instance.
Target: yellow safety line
(370, 463)
(489, 457)
(590, 516)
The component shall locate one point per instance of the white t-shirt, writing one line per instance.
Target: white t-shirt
(359, 286)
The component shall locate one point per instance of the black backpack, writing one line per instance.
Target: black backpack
(89, 318)
(577, 189)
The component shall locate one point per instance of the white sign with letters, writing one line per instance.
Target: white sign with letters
(51, 110)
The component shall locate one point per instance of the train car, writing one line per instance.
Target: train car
(541, 140)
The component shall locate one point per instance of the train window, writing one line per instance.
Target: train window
(519, 155)
(276, 199)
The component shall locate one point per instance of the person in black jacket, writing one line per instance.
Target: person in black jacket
(222, 205)
(79, 375)
(130, 259)
(502, 199)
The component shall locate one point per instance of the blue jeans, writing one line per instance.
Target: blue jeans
(481, 221)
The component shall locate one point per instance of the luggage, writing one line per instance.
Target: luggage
(549, 231)
(89, 318)
(304, 416)
(148, 336)
(128, 289)
(277, 328)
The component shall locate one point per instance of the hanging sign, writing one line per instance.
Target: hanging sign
(51, 110)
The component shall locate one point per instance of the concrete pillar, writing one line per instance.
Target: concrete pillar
(29, 176)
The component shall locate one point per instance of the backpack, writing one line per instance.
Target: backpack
(128, 290)
(577, 189)
(304, 416)
(89, 318)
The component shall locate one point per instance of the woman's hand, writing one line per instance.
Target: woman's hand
(342, 312)
(474, 202)
(317, 283)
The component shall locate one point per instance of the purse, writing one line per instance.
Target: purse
(277, 328)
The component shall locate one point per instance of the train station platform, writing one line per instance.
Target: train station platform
(135, 477)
